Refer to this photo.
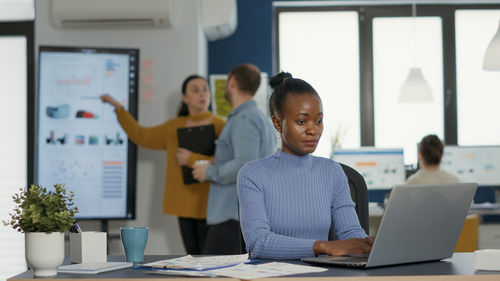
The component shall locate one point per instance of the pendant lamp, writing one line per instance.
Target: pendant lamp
(415, 88)
(492, 57)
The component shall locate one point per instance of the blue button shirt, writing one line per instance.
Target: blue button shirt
(247, 136)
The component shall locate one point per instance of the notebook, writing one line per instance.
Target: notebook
(200, 139)
(93, 267)
(420, 223)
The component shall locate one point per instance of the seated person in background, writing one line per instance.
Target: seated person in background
(288, 200)
(430, 152)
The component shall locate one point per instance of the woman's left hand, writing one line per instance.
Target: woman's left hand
(353, 246)
(182, 156)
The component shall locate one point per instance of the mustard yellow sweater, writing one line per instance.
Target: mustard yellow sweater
(187, 201)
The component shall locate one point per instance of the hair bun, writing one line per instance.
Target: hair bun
(278, 79)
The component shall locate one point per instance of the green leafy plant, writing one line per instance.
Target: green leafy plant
(337, 139)
(39, 210)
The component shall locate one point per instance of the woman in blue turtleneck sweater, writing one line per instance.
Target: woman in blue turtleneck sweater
(287, 200)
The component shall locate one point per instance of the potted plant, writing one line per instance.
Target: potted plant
(43, 216)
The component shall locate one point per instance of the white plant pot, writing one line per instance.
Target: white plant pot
(44, 252)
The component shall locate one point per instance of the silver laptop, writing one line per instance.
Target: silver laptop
(420, 223)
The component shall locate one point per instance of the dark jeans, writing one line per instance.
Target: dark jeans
(194, 234)
(224, 239)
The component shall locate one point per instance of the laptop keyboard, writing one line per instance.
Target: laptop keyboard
(354, 262)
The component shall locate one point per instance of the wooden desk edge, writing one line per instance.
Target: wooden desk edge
(96, 277)
(492, 277)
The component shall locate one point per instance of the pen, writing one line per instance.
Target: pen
(77, 228)
(72, 229)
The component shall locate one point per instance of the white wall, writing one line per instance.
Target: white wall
(176, 52)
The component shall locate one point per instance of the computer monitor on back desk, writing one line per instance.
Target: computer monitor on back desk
(381, 167)
(479, 164)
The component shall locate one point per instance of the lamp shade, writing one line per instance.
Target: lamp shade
(415, 88)
(492, 57)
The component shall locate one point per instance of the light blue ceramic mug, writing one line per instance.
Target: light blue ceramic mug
(134, 241)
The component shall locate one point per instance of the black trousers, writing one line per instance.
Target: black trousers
(194, 234)
(224, 239)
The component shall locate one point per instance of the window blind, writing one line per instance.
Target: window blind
(13, 154)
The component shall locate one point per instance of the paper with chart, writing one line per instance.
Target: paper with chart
(199, 263)
(249, 271)
(272, 269)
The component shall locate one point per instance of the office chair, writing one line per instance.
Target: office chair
(359, 195)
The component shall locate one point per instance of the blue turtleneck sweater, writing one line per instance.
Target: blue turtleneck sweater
(287, 203)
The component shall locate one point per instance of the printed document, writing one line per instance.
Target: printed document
(272, 269)
(199, 263)
(249, 271)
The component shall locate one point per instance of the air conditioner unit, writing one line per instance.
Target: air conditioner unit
(219, 18)
(111, 13)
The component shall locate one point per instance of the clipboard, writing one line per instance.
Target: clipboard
(199, 139)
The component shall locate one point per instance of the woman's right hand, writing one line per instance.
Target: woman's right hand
(108, 99)
(182, 156)
(354, 246)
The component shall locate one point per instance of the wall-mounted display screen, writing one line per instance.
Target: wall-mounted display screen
(79, 141)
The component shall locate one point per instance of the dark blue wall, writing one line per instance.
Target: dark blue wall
(252, 41)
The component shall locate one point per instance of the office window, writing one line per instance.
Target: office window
(13, 143)
(478, 91)
(323, 49)
(399, 44)
(16, 10)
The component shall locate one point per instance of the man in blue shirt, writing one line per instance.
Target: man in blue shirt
(247, 136)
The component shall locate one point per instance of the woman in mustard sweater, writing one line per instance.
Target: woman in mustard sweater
(188, 202)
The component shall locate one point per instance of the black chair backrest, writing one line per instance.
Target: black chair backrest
(359, 195)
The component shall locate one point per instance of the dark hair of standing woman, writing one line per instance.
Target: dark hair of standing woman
(431, 148)
(283, 85)
(183, 110)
